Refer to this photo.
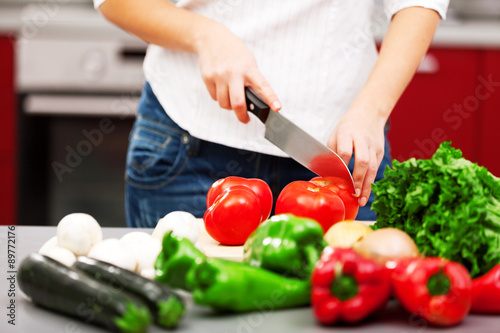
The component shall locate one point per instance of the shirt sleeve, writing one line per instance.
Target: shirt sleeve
(97, 3)
(393, 6)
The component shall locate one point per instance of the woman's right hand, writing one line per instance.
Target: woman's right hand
(227, 67)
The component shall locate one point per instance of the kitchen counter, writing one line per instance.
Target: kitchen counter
(77, 21)
(30, 318)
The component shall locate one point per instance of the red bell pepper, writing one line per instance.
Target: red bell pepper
(347, 287)
(306, 199)
(341, 188)
(258, 186)
(438, 290)
(233, 216)
(486, 292)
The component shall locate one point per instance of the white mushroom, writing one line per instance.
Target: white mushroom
(64, 256)
(149, 273)
(145, 248)
(181, 224)
(48, 245)
(78, 232)
(113, 251)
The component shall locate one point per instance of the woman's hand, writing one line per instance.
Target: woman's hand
(227, 67)
(360, 130)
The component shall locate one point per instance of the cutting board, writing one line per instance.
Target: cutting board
(212, 248)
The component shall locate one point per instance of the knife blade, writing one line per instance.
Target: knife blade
(297, 143)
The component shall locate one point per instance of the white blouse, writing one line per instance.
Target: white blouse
(316, 54)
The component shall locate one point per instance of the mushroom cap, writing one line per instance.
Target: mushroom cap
(145, 247)
(113, 251)
(182, 224)
(78, 232)
(64, 256)
(48, 245)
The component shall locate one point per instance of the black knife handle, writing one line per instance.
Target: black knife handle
(256, 105)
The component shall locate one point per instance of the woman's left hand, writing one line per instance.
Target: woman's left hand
(360, 130)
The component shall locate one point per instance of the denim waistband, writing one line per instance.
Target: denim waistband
(150, 111)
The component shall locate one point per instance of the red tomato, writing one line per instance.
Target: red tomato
(234, 215)
(306, 199)
(341, 187)
(258, 186)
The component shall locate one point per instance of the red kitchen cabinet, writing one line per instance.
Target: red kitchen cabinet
(440, 104)
(8, 132)
(489, 131)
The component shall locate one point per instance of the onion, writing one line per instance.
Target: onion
(344, 234)
(386, 244)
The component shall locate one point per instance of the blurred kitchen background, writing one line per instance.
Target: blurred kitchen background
(70, 82)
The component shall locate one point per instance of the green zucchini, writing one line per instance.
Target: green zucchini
(56, 287)
(165, 305)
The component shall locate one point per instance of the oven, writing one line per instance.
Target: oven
(78, 80)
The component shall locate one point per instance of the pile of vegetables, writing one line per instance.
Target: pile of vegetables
(353, 280)
(447, 204)
(106, 282)
(236, 206)
(99, 293)
(287, 264)
(278, 261)
(79, 234)
(438, 220)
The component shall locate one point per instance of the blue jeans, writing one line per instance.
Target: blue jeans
(168, 169)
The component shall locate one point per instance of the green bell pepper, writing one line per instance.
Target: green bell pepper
(286, 244)
(229, 286)
(177, 257)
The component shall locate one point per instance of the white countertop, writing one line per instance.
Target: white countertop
(85, 22)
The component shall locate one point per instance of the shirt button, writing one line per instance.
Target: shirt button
(185, 138)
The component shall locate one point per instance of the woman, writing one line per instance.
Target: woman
(315, 61)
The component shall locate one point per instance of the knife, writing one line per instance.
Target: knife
(294, 141)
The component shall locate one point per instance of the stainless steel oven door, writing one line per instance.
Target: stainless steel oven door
(72, 156)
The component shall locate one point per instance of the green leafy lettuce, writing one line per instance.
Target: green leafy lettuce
(447, 204)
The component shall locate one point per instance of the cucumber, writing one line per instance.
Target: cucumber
(165, 305)
(56, 287)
